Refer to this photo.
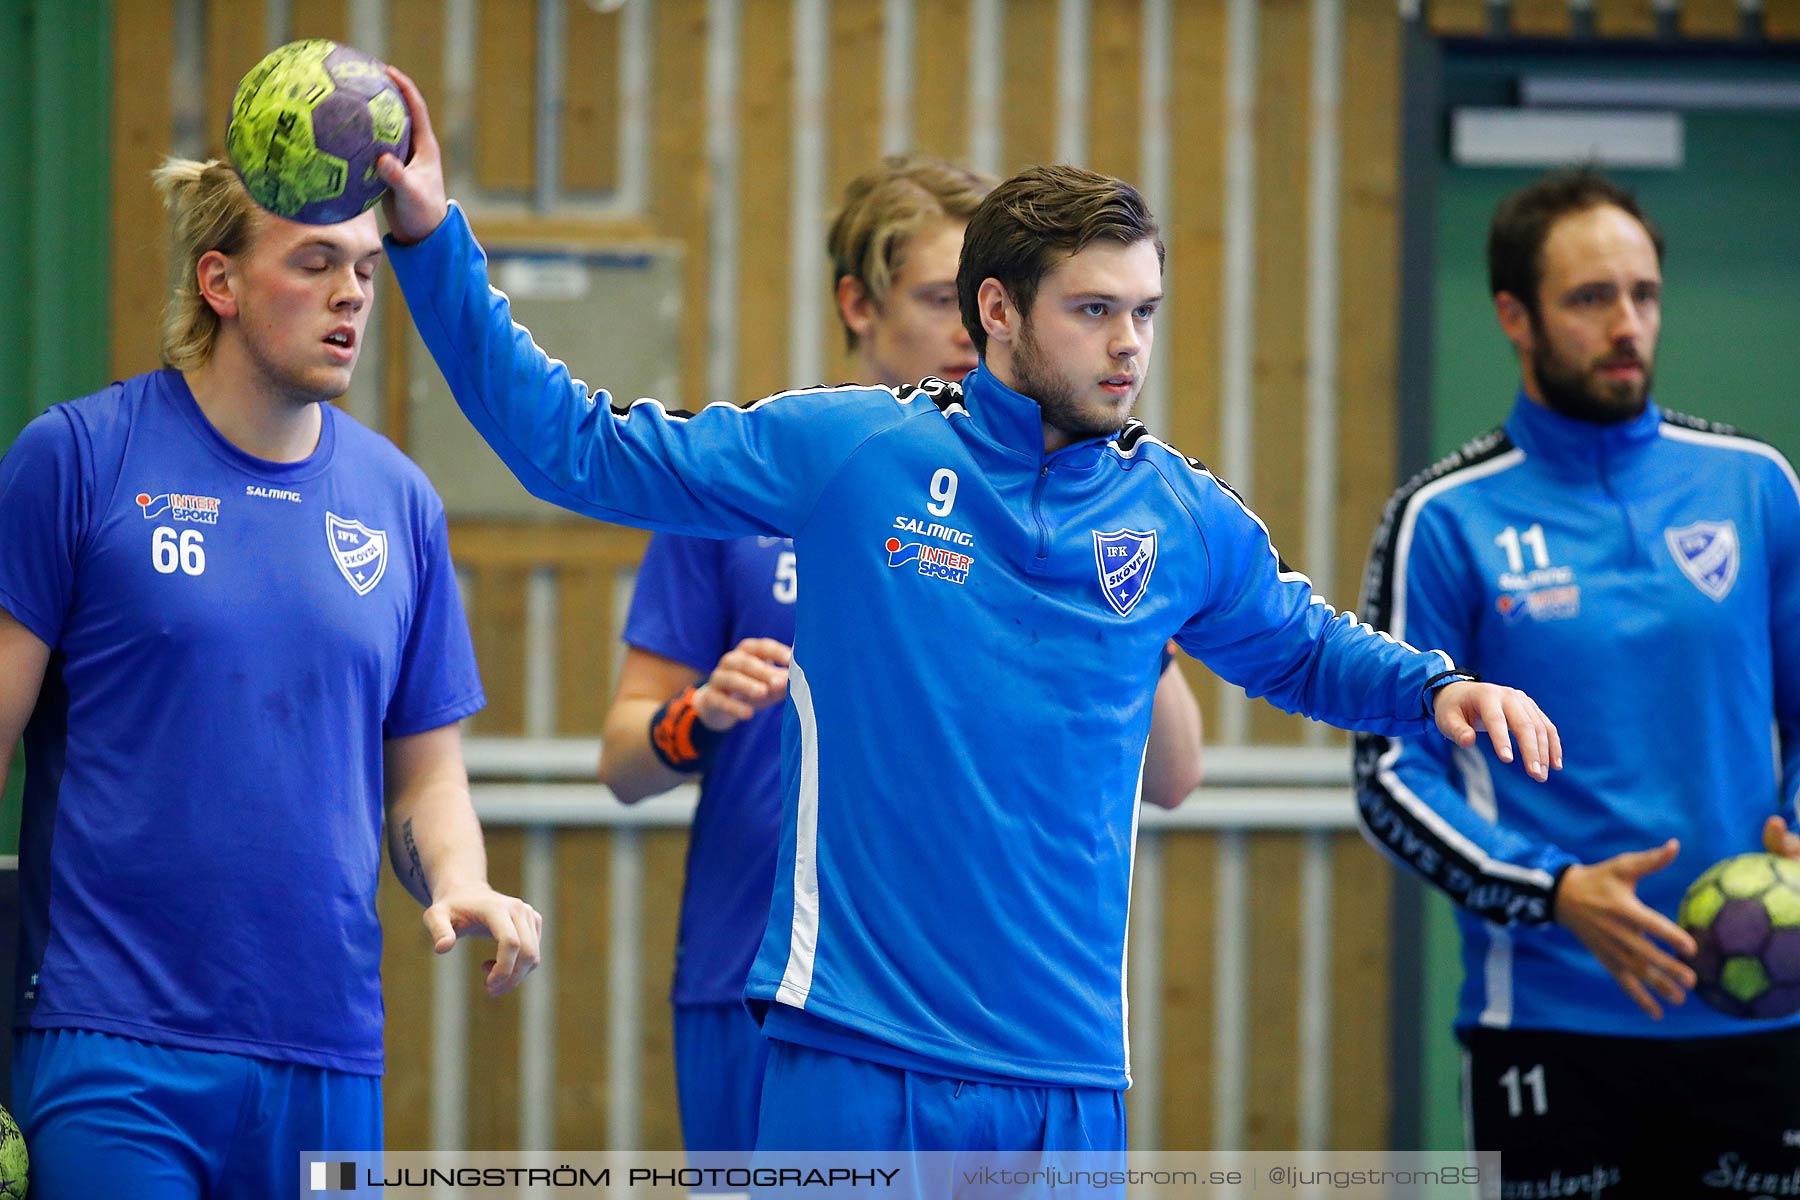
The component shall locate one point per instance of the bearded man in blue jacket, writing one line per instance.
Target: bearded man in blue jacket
(1650, 561)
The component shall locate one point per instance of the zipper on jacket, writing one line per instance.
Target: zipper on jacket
(1637, 554)
(1037, 513)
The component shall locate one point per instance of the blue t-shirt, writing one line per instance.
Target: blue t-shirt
(697, 598)
(233, 642)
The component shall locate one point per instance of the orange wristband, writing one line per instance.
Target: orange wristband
(680, 738)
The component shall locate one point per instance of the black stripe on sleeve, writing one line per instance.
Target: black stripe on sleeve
(1388, 820)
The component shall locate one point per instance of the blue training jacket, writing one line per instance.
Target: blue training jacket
(1642, 582)
(975, 651)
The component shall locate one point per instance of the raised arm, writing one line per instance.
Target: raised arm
(722, 472)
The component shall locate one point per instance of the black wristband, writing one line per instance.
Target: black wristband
(1427, 694)
(1555, 893)
(680, 738)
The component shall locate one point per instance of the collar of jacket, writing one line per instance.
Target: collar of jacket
(1581, 448)
(1014, 422)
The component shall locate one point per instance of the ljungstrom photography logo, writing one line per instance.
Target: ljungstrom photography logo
(333, 1177)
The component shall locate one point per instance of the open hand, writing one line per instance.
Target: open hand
(1465, 708)
(1599, 904)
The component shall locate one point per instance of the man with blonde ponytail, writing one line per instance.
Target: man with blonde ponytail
(231, 637)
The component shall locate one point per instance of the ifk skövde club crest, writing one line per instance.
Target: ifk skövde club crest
(1707, 553)
(1124, 559)
(361, 553)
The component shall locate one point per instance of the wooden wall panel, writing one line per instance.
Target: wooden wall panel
(143, 45)
(320, 19)
(765, 121)
(1369, 261)
(590, 151)
(233, 44)
(678, 174)
(1362, 985)
(415, 44)
(1457, 18)
(941, 64)
(406, 974)
(505, 95)
(1540, 18)
(578, 940)
(1709, 18)
(585, 644)
(497, 622)
(1781, 19)
(1188, 333)
(1625, 18)
(855, 83)
(1115, 95)
(1278, 378)
(1273, 1092)
(854, 146)
(1028, 91)
(1190, 867)
(665, 855)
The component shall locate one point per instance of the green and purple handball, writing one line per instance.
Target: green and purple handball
(14, 1162)
(1744, 914)
(307, 126)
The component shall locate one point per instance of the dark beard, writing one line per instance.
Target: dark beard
(1584, 397)
(1060, 403)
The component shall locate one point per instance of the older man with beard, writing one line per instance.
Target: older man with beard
(1599, 546)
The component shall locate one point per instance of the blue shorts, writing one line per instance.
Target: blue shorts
(113, 1116)
(817, 1100)
(719, 1059)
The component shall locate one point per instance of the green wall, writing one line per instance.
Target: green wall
(1729, 348)
(55, 167)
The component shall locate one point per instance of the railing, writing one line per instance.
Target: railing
(543, 785)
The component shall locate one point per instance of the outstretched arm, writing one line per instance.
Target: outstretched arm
(1463, 709)
(434, 840)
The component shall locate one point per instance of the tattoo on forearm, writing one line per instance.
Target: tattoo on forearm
(412, 852)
